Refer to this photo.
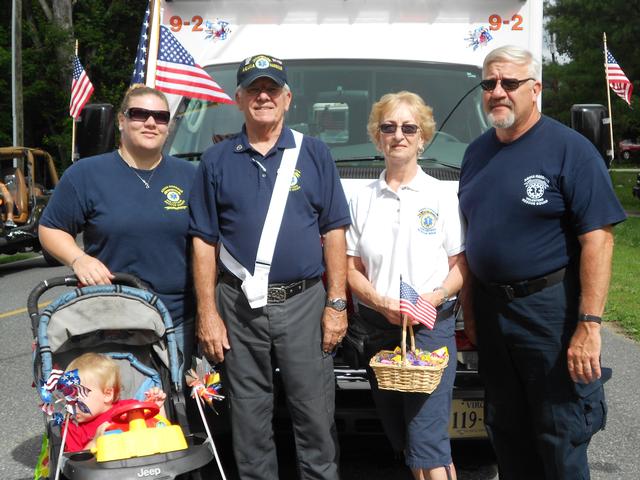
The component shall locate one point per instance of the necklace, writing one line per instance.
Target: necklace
(147, 182)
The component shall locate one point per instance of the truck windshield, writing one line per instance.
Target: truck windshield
(332, 100)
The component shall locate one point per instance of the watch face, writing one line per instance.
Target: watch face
(338, 304)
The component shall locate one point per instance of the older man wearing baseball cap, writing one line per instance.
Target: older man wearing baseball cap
(263, 199)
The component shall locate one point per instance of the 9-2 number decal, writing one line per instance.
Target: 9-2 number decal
(177, 23)
(496, 22)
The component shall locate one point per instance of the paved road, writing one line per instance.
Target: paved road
(613, 452)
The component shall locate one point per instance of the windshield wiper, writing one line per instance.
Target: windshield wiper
(364, 158)
(195, 155)
(439, 162)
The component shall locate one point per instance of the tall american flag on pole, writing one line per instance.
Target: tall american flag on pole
(178, 73)
(81, 89)
(140, 66)
(618, 81)
(416, 307)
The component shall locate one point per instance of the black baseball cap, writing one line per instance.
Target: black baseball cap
(259, 66)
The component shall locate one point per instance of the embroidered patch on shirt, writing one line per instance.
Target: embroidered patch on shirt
(534, 187)
(428, 219)
(174, 200)
(295, 186)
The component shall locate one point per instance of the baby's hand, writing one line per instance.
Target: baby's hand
(101, 429)
(156, 395)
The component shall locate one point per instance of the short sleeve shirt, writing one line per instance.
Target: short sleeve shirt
(128, 227)
(231, 197)
(411, 232)
(79, 435)
(526, 202)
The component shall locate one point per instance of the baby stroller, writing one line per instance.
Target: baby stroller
(131, 325)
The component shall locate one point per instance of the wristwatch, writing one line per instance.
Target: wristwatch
(339, 304)
(445, 293)
(583, 317)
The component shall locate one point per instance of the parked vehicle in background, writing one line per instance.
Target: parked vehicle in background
(341, 57)
(30, 177)
(628, 148)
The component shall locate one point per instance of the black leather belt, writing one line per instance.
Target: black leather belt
(509, 291)
(277, 292)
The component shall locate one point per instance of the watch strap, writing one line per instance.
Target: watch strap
(584, 317)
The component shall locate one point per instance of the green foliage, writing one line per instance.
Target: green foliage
(623, 183)
(107, 32)
(623, 304)
(577, 27)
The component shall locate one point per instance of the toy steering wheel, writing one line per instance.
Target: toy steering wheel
(134, 411)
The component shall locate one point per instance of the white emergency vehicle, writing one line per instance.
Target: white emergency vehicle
(341, 57)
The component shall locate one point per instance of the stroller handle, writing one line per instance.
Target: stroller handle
(72, 281)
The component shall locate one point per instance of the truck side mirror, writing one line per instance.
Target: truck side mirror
(591, 120)
(95, 130)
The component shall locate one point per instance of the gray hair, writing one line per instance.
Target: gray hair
(513, 54)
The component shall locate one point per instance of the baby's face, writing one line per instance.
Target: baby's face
(96, 400)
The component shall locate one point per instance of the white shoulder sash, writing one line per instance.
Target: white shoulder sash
(255, 286)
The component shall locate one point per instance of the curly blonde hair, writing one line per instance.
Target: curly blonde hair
(387, 103)
(102, 369)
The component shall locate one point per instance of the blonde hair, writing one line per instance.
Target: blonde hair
(140, 90)
(421, 111)
(102, 369)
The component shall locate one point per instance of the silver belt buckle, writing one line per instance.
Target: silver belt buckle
(276, 295)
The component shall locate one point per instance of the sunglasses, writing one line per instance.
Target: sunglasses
(407, 128)
(507, 84)
(161, 117)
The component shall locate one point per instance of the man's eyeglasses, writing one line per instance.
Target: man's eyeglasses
(272, 90)
(406, 128)
(507, 84)
(136, 114)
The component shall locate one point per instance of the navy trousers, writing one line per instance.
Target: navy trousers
(539, 421)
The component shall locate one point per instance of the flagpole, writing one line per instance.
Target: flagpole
(610, 119)
(73, 125)
(154, 39)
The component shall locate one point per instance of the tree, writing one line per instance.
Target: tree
(107, 32)
(577, 27)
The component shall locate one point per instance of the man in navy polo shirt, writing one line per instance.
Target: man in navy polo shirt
(540, 209)
(297, 325)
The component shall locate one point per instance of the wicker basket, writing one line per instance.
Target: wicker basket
(405, 377)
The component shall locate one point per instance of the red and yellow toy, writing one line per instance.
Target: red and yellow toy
(138, 431)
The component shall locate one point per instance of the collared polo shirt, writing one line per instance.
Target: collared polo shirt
(411, 232)
(233, 190)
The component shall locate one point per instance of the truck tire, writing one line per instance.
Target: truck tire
(626, 155)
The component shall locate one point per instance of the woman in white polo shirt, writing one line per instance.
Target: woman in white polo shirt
(408, 224)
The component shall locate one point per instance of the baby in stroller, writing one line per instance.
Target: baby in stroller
(100, 375)
(134, 330)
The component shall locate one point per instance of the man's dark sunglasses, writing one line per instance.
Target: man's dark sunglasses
(407, 128)
(136, 114)
(508, 84)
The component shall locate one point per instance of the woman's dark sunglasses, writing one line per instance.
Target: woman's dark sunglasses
(508, 84)
(136, 114)
(407, 128)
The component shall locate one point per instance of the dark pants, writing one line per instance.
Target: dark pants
(539, 421)
(417, 423)
(291, 335)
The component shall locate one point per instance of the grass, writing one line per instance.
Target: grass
(14, 258)
(623, 305)
(623, 183)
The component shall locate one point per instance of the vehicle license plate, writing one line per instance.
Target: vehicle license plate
(467, 419)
